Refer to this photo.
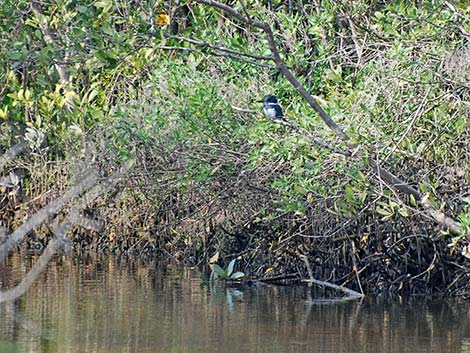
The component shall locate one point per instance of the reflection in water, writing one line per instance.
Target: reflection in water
(99, 304)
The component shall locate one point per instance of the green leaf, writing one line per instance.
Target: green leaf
(102, 4)
(403, 211)
(92, 95)
(219, 271)
(379, 15)
(383, 212)
(349, 194)
(332, 76)
(14, 55)
(413, 200)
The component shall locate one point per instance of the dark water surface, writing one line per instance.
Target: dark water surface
(99, 304)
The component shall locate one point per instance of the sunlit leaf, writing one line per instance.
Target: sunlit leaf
(237, 275)
(4, 113)
(412, 200)
(230, 267)
(162, 19)
(214, 258)
(383, 212)
(403, 211)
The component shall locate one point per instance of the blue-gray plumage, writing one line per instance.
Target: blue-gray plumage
(272, 109)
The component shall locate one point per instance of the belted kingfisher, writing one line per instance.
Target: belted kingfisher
(272, 109)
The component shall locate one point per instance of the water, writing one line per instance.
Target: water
(99, 304)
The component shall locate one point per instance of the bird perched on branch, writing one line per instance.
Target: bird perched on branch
(274, 112)
(272, 109)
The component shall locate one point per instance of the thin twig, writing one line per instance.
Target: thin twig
(355, 267)
(220, 48)
(244, 110)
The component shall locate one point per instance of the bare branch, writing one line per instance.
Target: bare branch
(281, 66)
(315, 139)
(404, 187)
(251, 111)
(351, 293)
(28, 280)
(44, 213)
(220, 48)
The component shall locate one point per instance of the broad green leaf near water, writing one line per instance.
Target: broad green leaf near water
(219, 271)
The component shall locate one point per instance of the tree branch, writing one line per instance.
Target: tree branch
(28, 280)
(44, 213)
(391, 179)
(280, 64)
(219, 48)
(351, 293)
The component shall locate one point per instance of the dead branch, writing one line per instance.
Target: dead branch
(44, 213)
(16, 292)
(351, 293)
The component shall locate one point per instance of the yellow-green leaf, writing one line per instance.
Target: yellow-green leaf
(4, 113)
(383, 212)
(403, 211)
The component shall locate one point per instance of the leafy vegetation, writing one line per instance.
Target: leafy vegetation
(227, 274)
(105, 81)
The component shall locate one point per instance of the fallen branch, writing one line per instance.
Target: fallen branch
(44, 213)
(16, 292)
(351, 293)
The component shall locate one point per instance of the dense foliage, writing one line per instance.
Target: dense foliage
(107, 81)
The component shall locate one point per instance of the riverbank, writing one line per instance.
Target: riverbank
(146, 135)
(239, 218)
